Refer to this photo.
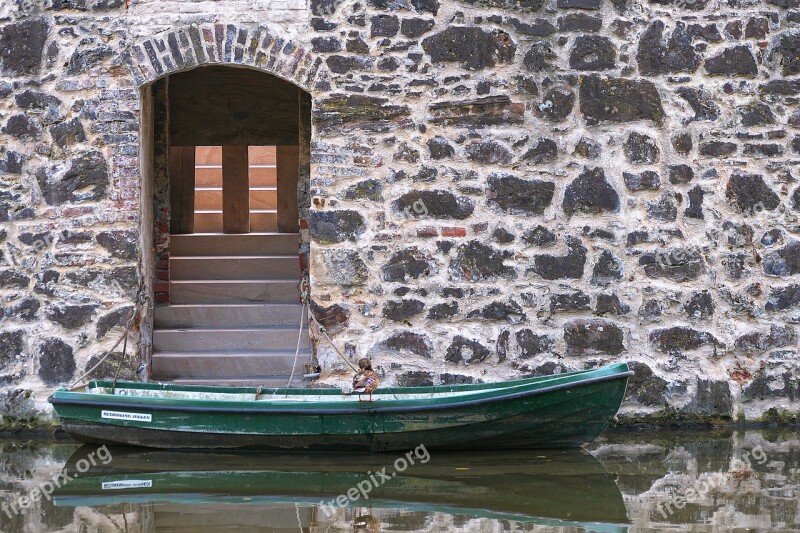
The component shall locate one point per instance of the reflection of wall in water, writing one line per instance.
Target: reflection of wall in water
(27, 465)
(651, 474)
(649, 468)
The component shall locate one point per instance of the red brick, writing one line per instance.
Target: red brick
(454, 232)
(70, 212)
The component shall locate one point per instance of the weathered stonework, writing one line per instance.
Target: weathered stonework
(499, 188)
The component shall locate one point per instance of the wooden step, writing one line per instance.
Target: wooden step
(263, 198)
(234, 291)
(227, 315)
(259, 244)
(262, 220)
(228, 339)
(208, 155)
(262, 155)
(235, 267)
(208, 199)
(208, 222)
(253, 365)
(260, 176)
(266, 176)
(208, 176)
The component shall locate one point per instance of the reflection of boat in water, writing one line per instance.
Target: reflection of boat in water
(557, 488)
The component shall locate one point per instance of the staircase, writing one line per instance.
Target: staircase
(234, 311)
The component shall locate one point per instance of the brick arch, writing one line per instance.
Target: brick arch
(254, 46)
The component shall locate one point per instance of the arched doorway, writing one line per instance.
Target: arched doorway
(230, 151)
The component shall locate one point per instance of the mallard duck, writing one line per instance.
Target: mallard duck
(366, 380)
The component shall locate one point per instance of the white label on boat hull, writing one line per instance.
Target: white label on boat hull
(128, 484)
(120, 415)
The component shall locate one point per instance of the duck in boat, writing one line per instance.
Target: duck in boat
(366, 379)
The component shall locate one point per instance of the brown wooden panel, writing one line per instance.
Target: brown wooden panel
(208, 222)
(263, 177)
(264, 221)
(209, 155)
(225, 106)
(263, 199)
(208, 177)
(235, 190)
(288, 162)
(262, 155)
(205, 200)
(181, 189)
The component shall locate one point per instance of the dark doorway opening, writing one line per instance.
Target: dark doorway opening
(234, 138)
(234, 146)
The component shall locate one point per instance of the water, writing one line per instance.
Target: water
(668, 481)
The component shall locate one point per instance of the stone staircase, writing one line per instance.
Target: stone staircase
(234, 311)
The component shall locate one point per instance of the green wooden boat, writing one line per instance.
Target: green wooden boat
(559, 411)
(554, 488)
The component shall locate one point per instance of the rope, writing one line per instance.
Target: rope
(297, 350)
(139, 302)
(325, 333)
(142, 299)
(304, 292)
(119, 365)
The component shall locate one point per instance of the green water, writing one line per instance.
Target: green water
(666, 481)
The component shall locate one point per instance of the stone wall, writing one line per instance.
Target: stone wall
(498, 188)
(69, 195)
(555, 185)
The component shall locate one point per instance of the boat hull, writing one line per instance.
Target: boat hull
(565, 415)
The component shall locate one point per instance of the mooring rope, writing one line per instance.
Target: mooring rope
(140, 300)
(297, 349)
(306, 298)
(330, 341)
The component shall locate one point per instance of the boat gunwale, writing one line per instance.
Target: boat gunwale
(160, 404)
